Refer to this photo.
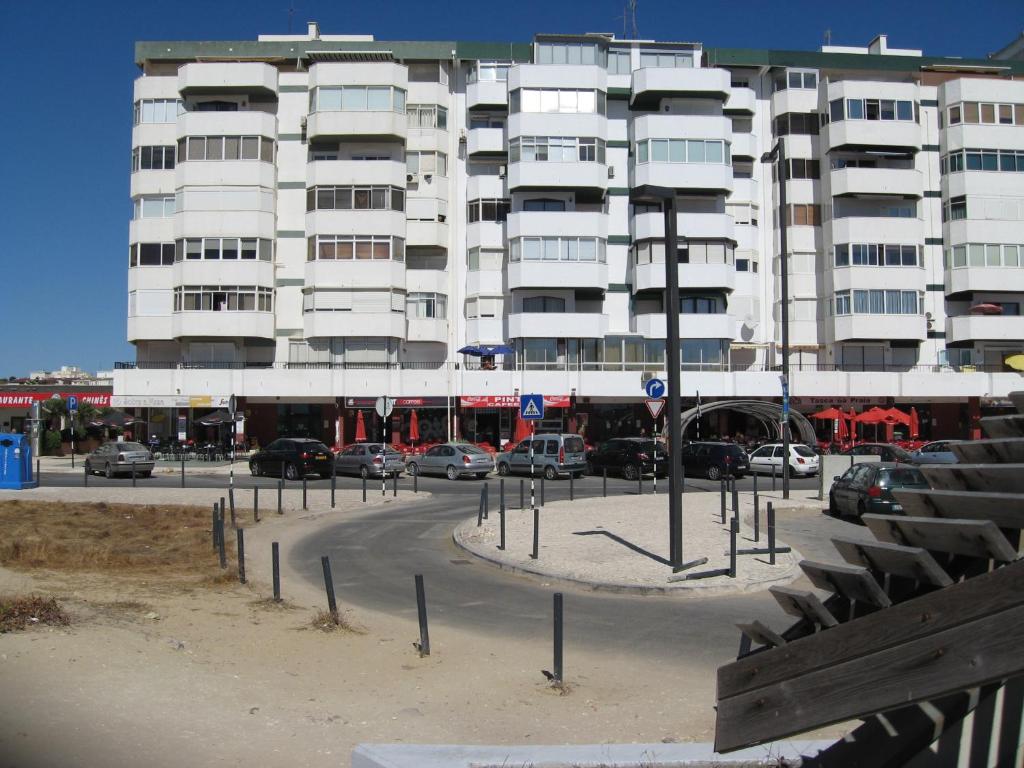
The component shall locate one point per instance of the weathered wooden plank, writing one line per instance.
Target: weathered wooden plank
(804, 605)
(1006, 510)
(761, 634)
(1003, 450)
(851, 581)
(999, 590)
(1000, 478)
(907, 562)
(974, 538)
(1002, 426)
(972, 654)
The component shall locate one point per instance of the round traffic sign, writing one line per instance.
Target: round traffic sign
(655, 388)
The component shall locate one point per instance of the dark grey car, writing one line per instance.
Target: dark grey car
(117, 459)
(366, 460)
(453, 460)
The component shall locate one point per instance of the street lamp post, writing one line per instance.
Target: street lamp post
(778, 154)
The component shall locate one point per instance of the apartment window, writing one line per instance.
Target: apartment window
(153, 158)
(799, 168)
(558, 100)
(795, 79)
(558, 149)
(873, 109)
(619, 63)
(879, 302)
(489, 72)
(484, 258)
(226, 148)
(701, 305)
(690, 252)
(877, 255)
(592, 249)
(955, 209)
(570, 53)
(374, 198)
(543, 304)
(486, 121)
(427, 305)
(357, 98)
(709, 151)
(150, 254)
(427, 116)
(986, 114)
(488, 210)
(427, 163)
(156, 111)
(988, 255)
(666, 59)
(153, 207)
(702, 352)
(231, 248)
(1001, 160)
(358, 247)
(223, 298)
(543, 204)
(743, 213)
(797, 123)
(803, 215)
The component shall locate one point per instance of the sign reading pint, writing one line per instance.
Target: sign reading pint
(509, 401)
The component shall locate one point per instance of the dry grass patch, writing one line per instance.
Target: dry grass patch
(21, 611)
(334, 621)
(111, 539)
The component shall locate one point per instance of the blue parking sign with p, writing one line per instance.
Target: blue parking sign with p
(72, 403)
(531, 407)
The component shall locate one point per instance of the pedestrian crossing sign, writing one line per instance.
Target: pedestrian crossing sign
(531, 407)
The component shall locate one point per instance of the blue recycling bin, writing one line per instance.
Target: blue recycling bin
(16, 469)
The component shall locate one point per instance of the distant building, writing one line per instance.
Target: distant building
(71, 374)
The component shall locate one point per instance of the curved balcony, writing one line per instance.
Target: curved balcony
(428, 139)
(542, 325)
(485, 330)
(223, 272)
(548, 175)
(355, 172)
(227, 124)
(383, 125)
(152, 279)
(688, 178)
(747, 237)
(997, 279)
(970, 135)
(427, 281)
(863, 277)
(151, 230)
(154, 134)
(427, 329)
(877, 229)
(744, 145)
(485, 94)
(248, 78)
(585, 275)
(982, 184)
(150, 328)
(903, 135)
(351, 222)
(225, 173)
(652, 84)
(965, 231)
(155, 87)
(647, 277)
(879, 327)
(259, 325)
(655, 326)
(327, 324)
(358, 73)
(744, 190)
(695, 226)
(794, 100)
(427, 233)
(557, 76)
(485, 282)
(356, 274)
(902, 182)
(152, 183)
(968, 328)
(485, 234)
(493, 187)
(741, 101)
(549, 223)
(557, 124)
(676, 127)
(225, 224)
(485, 142)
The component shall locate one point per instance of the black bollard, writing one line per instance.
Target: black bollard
(394, 484)
(757, 513)
(421, 612)
(557, 677)
(275, 557)
(735, 499)
(332, 604)
(487, 501)
(133, 475)
(536, 532)
(240, 537)
(213, 527)
(220, 542)
(501, 495)
(231, 504)
(416, 483)
(182, 471)
(480, 509)
(85, 476)
(734, 531)
(572, 491)
(364, 490)
(771, 533)
(334, 481)
(773, 477)
(38, 477)
(283, 477)
(256, 504)
(721, 489)
(522, 497)
(604, 482)
(639, 483)
(280, 491)
(304, 489)
(501, 515)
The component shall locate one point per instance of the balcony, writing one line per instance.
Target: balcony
(968, 328)
(903, 135)
(676, 127)
(224, 173)
(557, 124)
(877, 229)
(544, 325)
(980, 230)
(744, 190)
(250, 123)
(879, 327)
(427, 281)
(551, 175)
(237, 325)
(582, 275)
(427, 329)
(192, 223)
(356, 274)
(478, 187)
(351, 222)
(150, 328)
(688, 178)
(483, 142)
(551, 223)
(151, 230)
(223, 272)
(152, 279)
(485, 234)
(998, 279)
(652, 84)
(358, 73)
(741, 101)
(155, 87)
(384, 125)
(654, 326)
(695, 226)
(893, 182)
(865, 277)
(485, 282)
(485, 330)
(427, 233)
(328, 324)
(152, 183)
(557, 76)
(744, 145)
(217, 78)
(970, 135)
(982, 184)
(651, 277)
(485, 94)
(355, 172)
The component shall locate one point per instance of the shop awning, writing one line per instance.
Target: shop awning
(509, 401)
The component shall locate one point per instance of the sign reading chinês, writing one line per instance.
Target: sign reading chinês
(26, 399)
(509, 401)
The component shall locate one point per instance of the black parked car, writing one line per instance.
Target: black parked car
(629, 457)
(712, 460)
(299, 456)
(868, 488)
(885, 452)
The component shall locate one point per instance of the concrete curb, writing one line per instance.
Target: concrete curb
(692, 589)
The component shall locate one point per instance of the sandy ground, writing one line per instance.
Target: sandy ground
(152, 673)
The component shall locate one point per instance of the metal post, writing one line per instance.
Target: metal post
(757, 513)
(421, 612)
(283, 478)
(572, 490)
(501, 495)
(256, 504)
(394, 485)
(773, 476)
(501, 515)
(240, 537)
(364, 490)
(133, 475)
(38, 478)
(480, 510)
(183, 471)
(231, 504)
(522, 484)
(487, 501)
(220, 541)
(533, 497)
(639, 483)
(536, 532)
(222, 508)
(674, 370)
(275, 557)
(304, 489)
(557, 677)
(85, 476)
(213, 526)
(325, 562)
(735, 499)
(604, 482)
(334, 481)
(734, 531)
(280, 491)
(771, 533)
(416, 483)
(784, 290)
(542, 490)
(721, 489)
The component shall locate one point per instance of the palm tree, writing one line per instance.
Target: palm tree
(57, 410)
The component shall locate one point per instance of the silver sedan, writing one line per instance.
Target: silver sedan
(120, 459)
(453, 460)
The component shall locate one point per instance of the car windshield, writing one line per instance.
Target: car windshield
(735, 451)
(574, 445)
(803, 450)
(471, 449)
(375, 448)
(901, 476)
(132, 447)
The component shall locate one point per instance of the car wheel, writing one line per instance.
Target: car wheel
(833, 508)
(550, 473)
(325, 475)
(481, 475)
(452, 473)
(147, 473)
(504, 469)
(412, 468)
(714, 472)
(291, 472)
(578, 475)
(254, 468)
(364, 471)
(630, 472)
(109, 471)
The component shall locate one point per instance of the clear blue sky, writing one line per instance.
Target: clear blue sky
(67, 76)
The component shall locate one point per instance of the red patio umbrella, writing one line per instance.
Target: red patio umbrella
(842, 433)
(522, 430)
(896, 416)
(360, 428)
(852, 416)
(829, 413)
(914, 424)
(414, 426)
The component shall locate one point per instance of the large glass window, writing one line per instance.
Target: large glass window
(562, 100)
(427, 116)
(877, 255)
(570, 53)
(359, 247)
(223, 298)
(489, 71)
(153, 207)
(1003, 160)
(357, 98)
(156, 111)
(226, 148)
(701, 305)
(150, 158)
(427, 305)
(213, 248)
(487, 210)
(381, 198)
(873, 109)
(560, 149)
(666, 59)
(619, 63)
(543, 304)
(798, 123)
(592, 249)
(986, 113)
(150, 254)
(427, 163)
(711, 151)
(879, 302)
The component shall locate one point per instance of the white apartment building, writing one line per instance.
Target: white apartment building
(323, 219)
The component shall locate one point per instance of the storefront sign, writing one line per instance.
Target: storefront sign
(509, 401)
(400, 402)
(25, 399)
(170, 401)
(827, 401)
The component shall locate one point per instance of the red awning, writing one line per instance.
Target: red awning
(509, 401)
(25, 399)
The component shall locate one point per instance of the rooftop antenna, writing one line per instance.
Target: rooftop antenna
(828, 37)
(291, 15)
(631, 13)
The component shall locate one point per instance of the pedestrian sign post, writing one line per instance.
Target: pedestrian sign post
(655, 407)
(655, 388)
(72, 403)
(531, 407)
(72, 413)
